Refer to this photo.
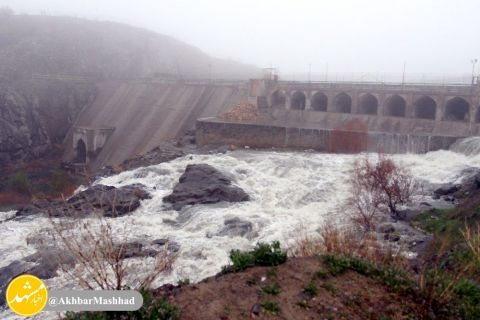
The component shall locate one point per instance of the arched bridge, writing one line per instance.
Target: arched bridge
(452, 110)
(432, 102)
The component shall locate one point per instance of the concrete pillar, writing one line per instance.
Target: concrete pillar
(355, 98)
(409, 107)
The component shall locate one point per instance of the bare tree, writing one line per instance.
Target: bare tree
(99, 255)
(378, 185)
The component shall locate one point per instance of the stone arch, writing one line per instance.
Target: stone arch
(395, 106)
(298, 101)
(319, 101)
(368, 104)
(425, 108)
(278, 98)
(342, 103)
(457, 109)
(81, 152)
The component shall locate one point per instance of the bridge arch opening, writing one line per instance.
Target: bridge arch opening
(278, 98)
(342, 103)
(81, 152)
(395, 106)
(298, 101)
(368, 104)
(319, 102)
(425, 108)
(457, 109)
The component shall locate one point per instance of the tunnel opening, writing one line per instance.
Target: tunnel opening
(457, 109)
(342, 103)
(368, 104)
(319, 102)
(425, 108)
(298, 101)
(395, 106)
(81, 152)
(278, 99)
(477, 115)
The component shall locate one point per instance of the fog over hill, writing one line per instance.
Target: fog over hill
(36, 113)
(64, 45)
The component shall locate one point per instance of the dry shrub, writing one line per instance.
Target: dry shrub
(375, 186)
(98, 252)
(346, 242)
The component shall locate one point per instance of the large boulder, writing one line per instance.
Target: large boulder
(201, 184)
(105, 200)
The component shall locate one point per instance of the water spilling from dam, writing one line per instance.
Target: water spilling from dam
(291, 194)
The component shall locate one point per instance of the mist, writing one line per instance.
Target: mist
(346, 36)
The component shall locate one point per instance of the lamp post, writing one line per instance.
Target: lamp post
(473, 61)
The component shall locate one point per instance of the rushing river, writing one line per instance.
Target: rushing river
(290, 193)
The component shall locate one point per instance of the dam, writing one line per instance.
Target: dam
(351, 117)
(131, 117)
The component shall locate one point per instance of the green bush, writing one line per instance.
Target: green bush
(271, 307)
(273, 289)
(262, 255)
(311, 289)
(20, 183)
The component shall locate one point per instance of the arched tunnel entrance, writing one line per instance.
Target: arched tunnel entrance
(342, 103)
(457, 109)
(298, 101)
(477, 115)
(425, 108)
(368, 104)
(278, 99)
(319, 101)
(81, 152)
(395, 106)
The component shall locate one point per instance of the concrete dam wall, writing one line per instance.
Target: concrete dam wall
(213, 131)
(141, 115)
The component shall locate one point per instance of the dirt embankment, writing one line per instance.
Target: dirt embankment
(293, 290)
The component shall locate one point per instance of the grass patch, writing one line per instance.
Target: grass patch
(273, 289)
(398, 280)
(271, 307)
(436, 221)
(329, 287)
(311, 289)
(262, 255)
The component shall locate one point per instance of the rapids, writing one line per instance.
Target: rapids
(291, 193)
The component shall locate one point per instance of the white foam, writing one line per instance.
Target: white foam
(288, 190)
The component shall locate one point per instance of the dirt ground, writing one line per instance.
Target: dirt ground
(242, 295)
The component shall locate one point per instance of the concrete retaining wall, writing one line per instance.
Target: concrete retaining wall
(213, 131)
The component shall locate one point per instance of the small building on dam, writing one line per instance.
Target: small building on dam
(351, 117)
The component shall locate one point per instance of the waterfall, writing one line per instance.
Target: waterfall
(468, 146)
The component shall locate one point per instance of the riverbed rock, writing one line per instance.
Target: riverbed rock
(104, 200)
(236, 227)
(202, 184)
(43, 264)
(110, 200)
(447, 189)
(386, 228)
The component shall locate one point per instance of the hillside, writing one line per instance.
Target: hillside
(65, 45)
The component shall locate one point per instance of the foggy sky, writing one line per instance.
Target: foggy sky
(431, 36)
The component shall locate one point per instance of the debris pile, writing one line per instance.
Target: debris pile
(243, 111)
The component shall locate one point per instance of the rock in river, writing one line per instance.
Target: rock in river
(202, 183)
(105, 200)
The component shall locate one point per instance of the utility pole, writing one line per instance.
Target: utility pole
(473, 61)
(404, 68)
